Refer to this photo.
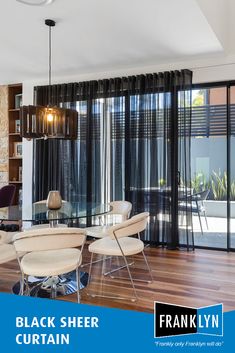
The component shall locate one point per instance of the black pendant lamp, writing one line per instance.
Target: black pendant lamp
(50, 121)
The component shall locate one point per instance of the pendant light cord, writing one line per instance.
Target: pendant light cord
(49, 23)
(49, 98)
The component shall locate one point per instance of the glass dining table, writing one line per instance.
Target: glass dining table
(78, 214)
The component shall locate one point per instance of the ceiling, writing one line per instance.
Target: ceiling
(106, 35)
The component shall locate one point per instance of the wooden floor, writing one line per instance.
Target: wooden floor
(193, 279)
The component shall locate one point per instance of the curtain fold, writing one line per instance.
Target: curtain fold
(133, 143)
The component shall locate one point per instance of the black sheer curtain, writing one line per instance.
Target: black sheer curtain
(158, 154)
(133, 143)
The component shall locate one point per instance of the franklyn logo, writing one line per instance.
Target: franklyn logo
(172, 320)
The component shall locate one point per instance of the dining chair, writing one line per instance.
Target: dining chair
(119, 242)
(196, 205)
(49, 253)
(119, 208)
(120, 212)
(7, 251)
(7, 195)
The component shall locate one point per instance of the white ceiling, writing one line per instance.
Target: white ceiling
(103, 35)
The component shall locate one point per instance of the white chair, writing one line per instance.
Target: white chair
(7, 251)
(121, 209)
(7, 237)
(119, 243)
(120, 212)
(49, 253)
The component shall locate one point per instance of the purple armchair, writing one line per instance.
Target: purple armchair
(7, 195)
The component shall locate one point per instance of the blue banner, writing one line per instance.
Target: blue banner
(210, 320)
(46, 326)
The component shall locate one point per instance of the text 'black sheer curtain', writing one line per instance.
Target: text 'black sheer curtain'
(133, 143)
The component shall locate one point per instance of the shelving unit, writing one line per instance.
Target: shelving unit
(15, 141)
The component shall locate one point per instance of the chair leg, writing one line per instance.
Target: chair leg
(114, 297)
(110, 263)
(200, 221)
(193, 240)
(131, 263)
(128, 270)
(148, 267)
(130, 276)
(187, 237)
(93, 295)
(27, 290)
(22, 284)
(53, 289)
(110, 266)
(90, 267)
(78, 285)
(137, 279)
(117, 269)
(204, 212)
(88, 263)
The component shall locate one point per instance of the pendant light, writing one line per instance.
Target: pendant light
(50, 121)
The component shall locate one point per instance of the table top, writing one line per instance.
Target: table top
(40, 212)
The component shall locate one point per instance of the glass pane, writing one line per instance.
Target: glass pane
(232, 167)
(108, 149)
(209, 167)
(81, 151)
(184, 188)
(116, 110)
(149, 151)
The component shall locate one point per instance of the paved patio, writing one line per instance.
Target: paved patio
(216, 234)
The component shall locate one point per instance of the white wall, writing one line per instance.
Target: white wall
(200, 75)
(27, 152)
(216, 13)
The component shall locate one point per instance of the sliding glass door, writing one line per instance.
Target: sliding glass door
(231, 162)
(213, 166)
(209, 166)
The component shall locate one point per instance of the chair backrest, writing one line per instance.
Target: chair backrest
(7, 195)
(130, 227)
(201, 196)
(49, 239)
(3, 237)
(41, 202)
(121, 207)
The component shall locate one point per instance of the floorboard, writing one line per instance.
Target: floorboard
(194, 279)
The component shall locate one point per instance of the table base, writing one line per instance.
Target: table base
(65, 285)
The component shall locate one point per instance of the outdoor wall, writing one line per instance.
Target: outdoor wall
(208, 155)
(3, 135)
